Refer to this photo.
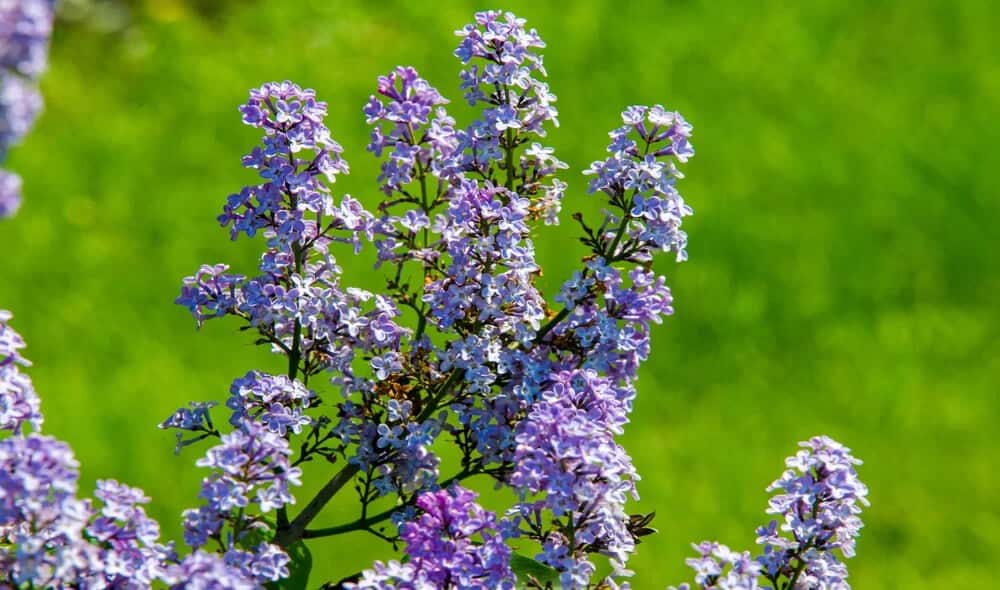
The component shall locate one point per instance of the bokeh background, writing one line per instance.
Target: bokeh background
(844, 254)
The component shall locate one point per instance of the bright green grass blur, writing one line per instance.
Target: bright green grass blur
(844, 253)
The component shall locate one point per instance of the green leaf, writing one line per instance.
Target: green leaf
(527, 569)
(298, 568)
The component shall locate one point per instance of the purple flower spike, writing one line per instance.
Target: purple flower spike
(10, 193)
(410, 126)
(718, 567)
(19, 404)
(818, 501)
(453, 544)
(640, 177)
(25, 28)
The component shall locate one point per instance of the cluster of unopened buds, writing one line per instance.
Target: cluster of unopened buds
(460, 348)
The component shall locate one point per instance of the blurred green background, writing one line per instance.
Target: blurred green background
(844, 253)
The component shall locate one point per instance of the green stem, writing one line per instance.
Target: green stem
(294, 531)
(509, 136)
(426, 206)
(294, 356)
(365, 523)
(509, 159)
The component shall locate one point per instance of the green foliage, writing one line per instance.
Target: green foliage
(843, 267)
(532, 574)
(300, 568)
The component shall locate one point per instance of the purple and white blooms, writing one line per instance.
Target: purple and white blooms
(818, 501)
(25, 28)
(48, 535)
(19, 404)
(453, 543)
(568, 466)
(717, 566)
(460, 347)
(533, 396)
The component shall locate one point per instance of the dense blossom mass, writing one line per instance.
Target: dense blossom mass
(25, 28)
(818, 502)
(460, 347)
(50, 537)
(453, 543)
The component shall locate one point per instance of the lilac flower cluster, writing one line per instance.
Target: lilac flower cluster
(460, 347)
(454, 543)
(532, 396)
(251, 468)
(717, 566)
(567, 453)
(505, 76)
(274, 400)
(819, 500)
(19, 404)
(640, 178)
(411, 127)
(48, 536)
(25, 28)
(503, 73)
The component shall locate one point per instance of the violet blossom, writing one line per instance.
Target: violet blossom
(25, 28)
(460, 347)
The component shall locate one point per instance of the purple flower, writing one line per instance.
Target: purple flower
(58, 539)
(266, 563)
(452, 544)
(275, 401)
(195, 418)
(639, 177)
(411, 126)
(717, 567)
(821, 497)
(25, 28)
(39, 512)
(131, 539)
(292, 120)
(10, 193)
(211, 293)
(819, 500)
(207, 571)
(251, 467)
(19, 404)
(20, 104)
(256, 458)
(503, 74)
(567, 463)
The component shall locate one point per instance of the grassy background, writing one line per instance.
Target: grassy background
(844, 262)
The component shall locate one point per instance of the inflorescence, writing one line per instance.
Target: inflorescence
(25, 28)
(460, 347)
